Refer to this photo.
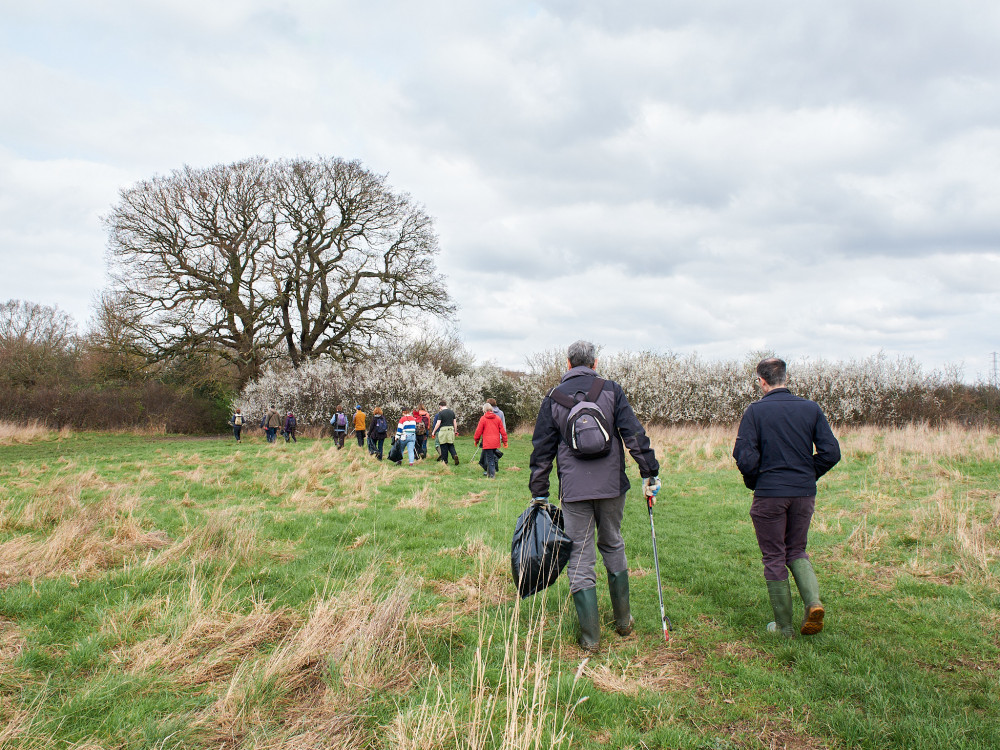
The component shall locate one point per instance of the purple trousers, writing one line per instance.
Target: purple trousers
(782, 526)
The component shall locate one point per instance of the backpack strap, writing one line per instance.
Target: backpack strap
(569, 402)
(562, 399)
(595, 390)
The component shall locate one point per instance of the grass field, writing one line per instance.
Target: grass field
(187, 593)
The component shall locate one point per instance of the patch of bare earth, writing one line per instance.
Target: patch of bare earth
(487, 586)
(770, 734)
(657, 669)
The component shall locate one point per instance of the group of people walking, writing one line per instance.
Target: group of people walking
(584, 425)
(784, 444)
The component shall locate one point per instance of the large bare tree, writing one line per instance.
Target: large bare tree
(193, 252)
(354, 259)
(322, 257)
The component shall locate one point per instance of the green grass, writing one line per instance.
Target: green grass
(250, 595)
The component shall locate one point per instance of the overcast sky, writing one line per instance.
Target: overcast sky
(820, 179)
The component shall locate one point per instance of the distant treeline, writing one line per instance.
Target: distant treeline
(663, 388)
(97, 380)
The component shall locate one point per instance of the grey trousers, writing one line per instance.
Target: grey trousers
(582, 518)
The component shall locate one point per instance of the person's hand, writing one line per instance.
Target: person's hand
(650, 488)
(541, 499)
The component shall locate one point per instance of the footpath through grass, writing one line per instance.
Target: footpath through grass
(187, 593)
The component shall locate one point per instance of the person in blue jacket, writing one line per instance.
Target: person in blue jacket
(774, 453)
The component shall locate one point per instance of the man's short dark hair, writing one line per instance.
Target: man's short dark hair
(581, 354)
(442, 403)
(773, 370)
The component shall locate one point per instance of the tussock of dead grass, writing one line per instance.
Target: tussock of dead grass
(472, 498)
(653, 670)
(210, 639)
(966, 525)
(420, 500)
(350, 646)
(87, 539)
(475, 548)
(488, 586)
(230, 533)
(32, 432)
(359, 541)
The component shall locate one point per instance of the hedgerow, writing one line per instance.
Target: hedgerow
(664, 388)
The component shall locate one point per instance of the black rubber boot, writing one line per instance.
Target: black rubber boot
(780, 594)
(618, 588)
(590, 623)
(805, 579)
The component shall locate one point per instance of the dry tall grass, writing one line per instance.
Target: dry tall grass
(86, 539)
(512, 699)
(308, 692)
(12, 433)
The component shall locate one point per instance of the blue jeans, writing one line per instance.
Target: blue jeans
(410, 447)
(272, 433)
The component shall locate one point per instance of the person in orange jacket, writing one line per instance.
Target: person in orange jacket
(490, 433)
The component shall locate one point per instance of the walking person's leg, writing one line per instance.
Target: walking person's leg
(411, 450)
(770, 520)
(800, 513)
(580, 524)
(608, 516)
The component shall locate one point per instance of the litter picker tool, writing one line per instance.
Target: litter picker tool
(656, 558)
(476, 457)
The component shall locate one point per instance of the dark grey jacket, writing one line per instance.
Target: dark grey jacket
(599, 478)
(774, 445)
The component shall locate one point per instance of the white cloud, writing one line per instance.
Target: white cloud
(719, 176)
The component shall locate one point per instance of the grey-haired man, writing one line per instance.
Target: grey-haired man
(592, 490)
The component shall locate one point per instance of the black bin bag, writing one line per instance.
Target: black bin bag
(540, 548)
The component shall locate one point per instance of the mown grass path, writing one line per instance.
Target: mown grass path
(184, 593)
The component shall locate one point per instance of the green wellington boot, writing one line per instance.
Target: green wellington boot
(780, 594)
(590, 623)
(618, 587)
(805, 579)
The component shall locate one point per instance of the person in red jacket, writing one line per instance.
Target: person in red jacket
(490, 433)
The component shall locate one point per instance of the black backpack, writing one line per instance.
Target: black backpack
(586, 431)
(291, 423)
(381, 426)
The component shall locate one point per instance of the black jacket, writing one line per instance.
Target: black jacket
(774, 445)
(596, 479)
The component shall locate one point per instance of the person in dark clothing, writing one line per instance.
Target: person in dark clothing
(380, 430)
(291, 424)
(444, 429)
(236, 422)
(592, 490)
(774, 453)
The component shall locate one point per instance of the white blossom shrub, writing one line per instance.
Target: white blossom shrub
(677, 389)
(664, 388)
(314, 390)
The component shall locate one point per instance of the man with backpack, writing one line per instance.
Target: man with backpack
(423, 426)
(236, 422)
(380, 431)
(339, 423)
(774, 453)
(584, 424)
